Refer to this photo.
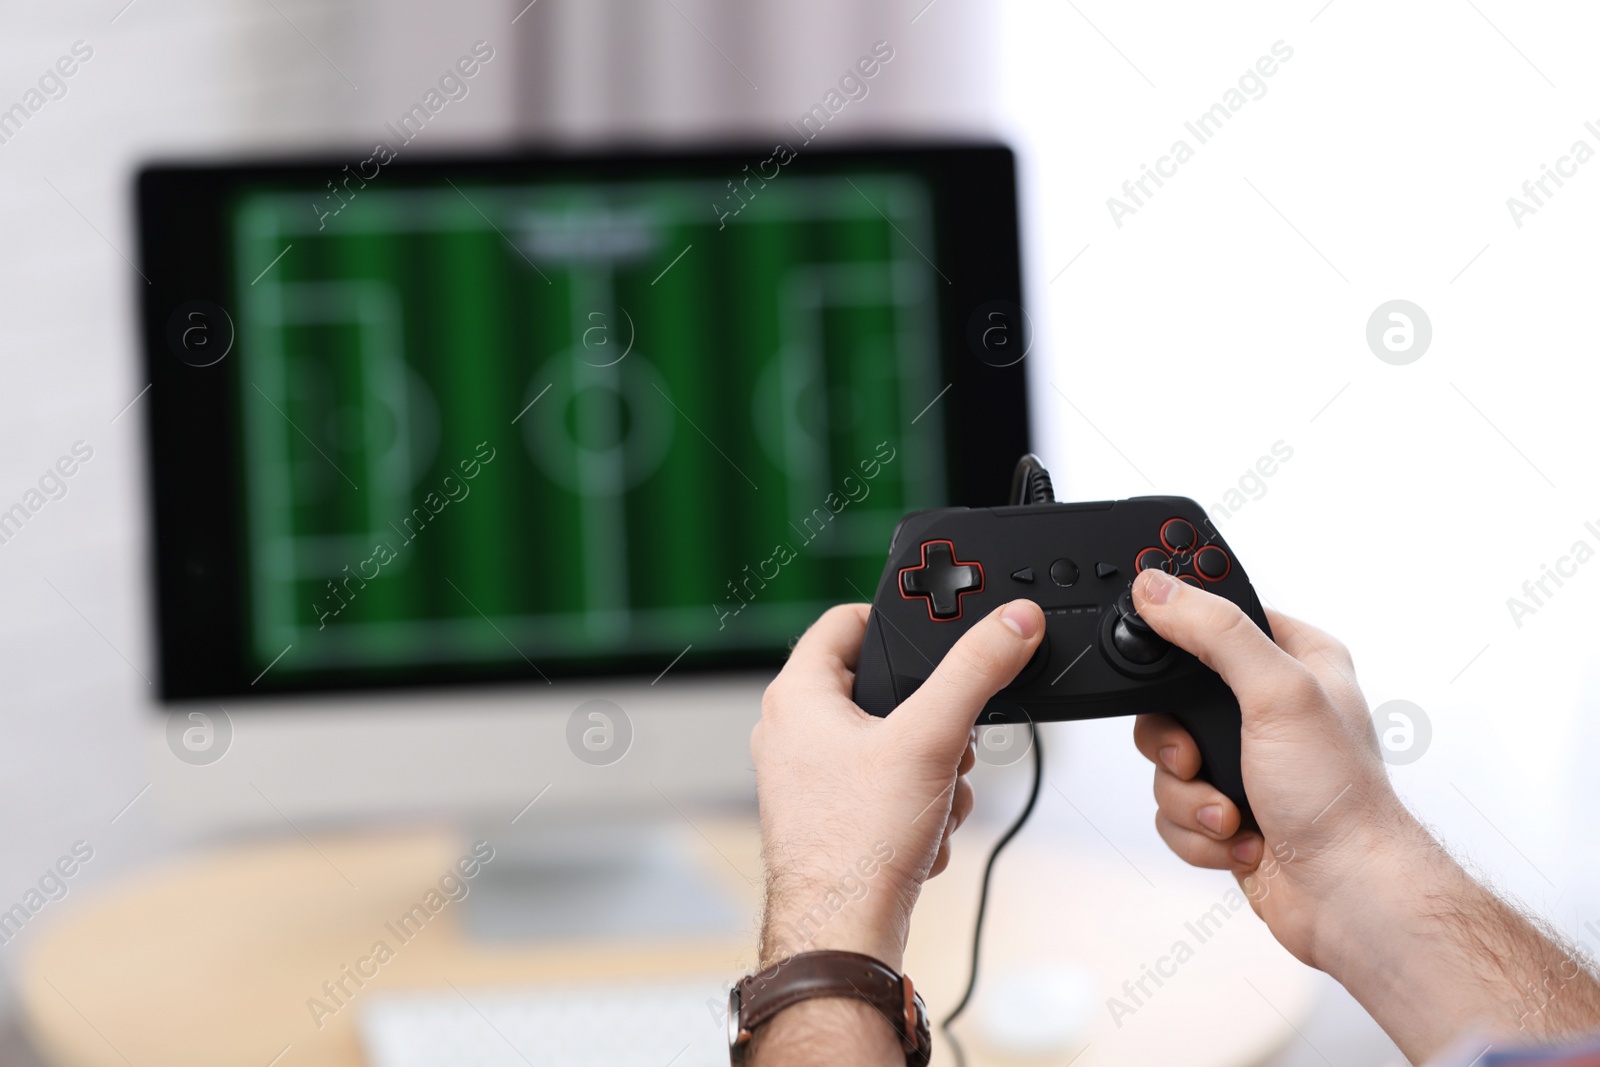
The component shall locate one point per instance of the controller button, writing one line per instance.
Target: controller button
(941, 580)
(1151, 557)
(1105, 570)
(1189, 579)
(1212, 563)
(1024, 575)
(1178, 535)
(1063, 572)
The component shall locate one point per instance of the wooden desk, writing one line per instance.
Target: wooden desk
(209, 961)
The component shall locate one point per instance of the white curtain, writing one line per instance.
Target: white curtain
(669, 69)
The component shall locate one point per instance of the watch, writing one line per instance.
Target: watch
(756, 998)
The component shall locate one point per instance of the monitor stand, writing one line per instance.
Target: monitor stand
(598, 879)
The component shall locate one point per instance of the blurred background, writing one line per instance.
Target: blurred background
(1179, 337)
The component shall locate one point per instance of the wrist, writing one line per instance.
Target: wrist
(1431, 954)
(857, 907)
(1384, 895)
(782, 937)
(809, 918)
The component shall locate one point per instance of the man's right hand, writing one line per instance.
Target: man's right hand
(1308, 754)
(1344, 876)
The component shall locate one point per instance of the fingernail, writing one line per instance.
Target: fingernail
(1169, 758)
(1248, 851)
(1158, 586)
(1210, 817)
(1022, 617)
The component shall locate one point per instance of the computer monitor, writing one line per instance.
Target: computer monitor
(552, 422)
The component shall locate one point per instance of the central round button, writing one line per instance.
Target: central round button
(1063, 572)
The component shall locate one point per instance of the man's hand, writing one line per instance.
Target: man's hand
(856, 811)
(1308, 753)
(1345, 877)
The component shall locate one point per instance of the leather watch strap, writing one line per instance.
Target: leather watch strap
(758, 997)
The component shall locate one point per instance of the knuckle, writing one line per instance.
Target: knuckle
(1228, 622)
(1196, 851)
(1147, 736)
(774, 697)
(1161, 788)
(1179, 840)
(839, 611)
(1296, 684)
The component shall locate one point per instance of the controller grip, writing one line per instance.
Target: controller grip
(874, 686)
(1215, 728)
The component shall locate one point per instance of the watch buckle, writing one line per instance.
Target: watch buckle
(738, 1036)
(908, 1042)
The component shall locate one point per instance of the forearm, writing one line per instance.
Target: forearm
(1432, 954)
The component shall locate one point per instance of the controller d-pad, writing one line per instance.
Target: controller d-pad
(941, 580)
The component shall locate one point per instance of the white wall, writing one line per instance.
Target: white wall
(1229, 312)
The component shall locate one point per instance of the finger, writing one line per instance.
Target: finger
(1167, 744)
(960, 806)
(984, 661)
(941, 860)
(1223, 637)
(1197, 806)
(831, 647)
(969, 757)
(1198, 850)
(1255, 888)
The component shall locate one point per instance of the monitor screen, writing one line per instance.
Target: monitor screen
(538, 417)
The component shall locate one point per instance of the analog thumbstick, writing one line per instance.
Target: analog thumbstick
(1133, 637)
(1136, 641)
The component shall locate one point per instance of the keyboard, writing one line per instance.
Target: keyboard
(677, 1023)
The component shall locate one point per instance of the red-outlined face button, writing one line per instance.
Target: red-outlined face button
(1189, 579)
(941, 580)
(1178, 535)
(1152, 558)
(1212, 563)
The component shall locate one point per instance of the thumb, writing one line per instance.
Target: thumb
(1218, 634)
(986, 659)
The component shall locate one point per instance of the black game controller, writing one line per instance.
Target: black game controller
(950, 567)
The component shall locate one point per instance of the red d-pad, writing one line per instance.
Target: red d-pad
(941, 580)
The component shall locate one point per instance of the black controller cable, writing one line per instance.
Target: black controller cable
(1030, 484)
